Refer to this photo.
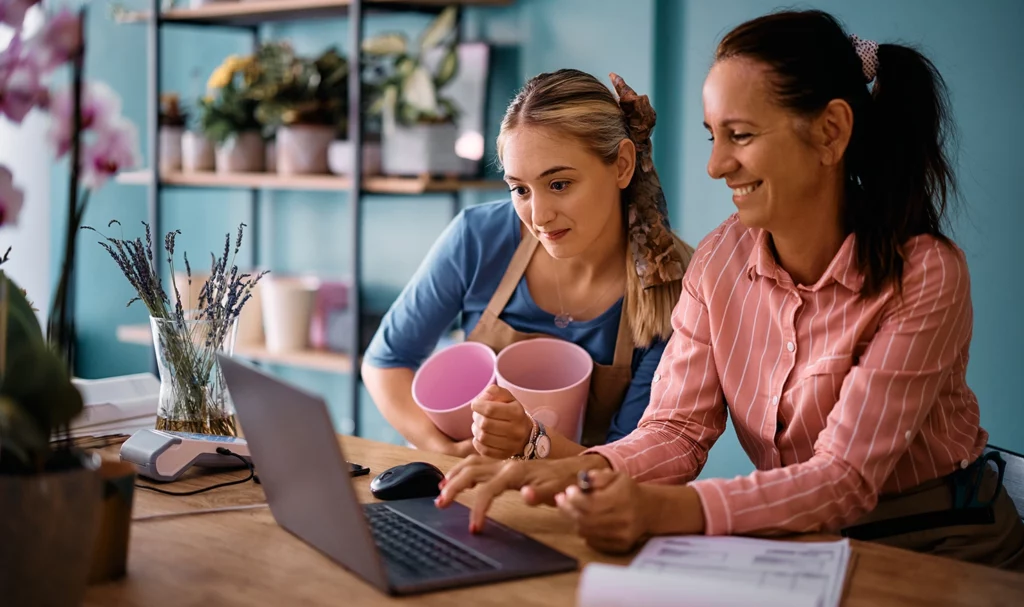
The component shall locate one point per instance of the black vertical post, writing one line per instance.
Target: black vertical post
(254, 193)
(153, 118)
(355, 135)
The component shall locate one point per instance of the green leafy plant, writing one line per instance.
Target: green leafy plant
(403, 84)
(37, 398)
(229, 107)
(291, 90)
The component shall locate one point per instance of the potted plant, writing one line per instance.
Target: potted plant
(172, 127)
(417, 121)
(304, 101)
(227, 116)
(50, 492)
(193, 394)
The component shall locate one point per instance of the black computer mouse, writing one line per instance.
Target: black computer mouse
(415, 479)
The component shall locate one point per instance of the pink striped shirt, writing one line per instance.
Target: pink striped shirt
(836, 399)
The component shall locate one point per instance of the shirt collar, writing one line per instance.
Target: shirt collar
(841, 269)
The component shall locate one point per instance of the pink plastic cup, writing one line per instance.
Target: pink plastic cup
(551, 379)
(446, 384)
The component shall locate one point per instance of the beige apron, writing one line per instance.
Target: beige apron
(608, 383)
(927, 518)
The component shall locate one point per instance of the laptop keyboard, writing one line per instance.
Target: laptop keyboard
(412, 551)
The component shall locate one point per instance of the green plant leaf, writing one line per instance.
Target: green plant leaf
(440, 30)
(19, 434)
(36, 394)
(449, 66)
(386, 44)
(418, 91)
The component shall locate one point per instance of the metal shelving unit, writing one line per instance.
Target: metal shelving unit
(248, 16)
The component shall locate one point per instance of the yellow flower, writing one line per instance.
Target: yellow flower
(219, 78)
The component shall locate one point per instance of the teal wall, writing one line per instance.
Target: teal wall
(303, 231)
(976, 47)
(662, 47)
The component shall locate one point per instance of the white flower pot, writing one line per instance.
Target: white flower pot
(241, 153)
(197, 153)
(425, 149)
(287, 311)
(170, 149)
(302, 149)
(339, 157)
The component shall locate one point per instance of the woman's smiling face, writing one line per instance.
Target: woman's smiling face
(758, 147)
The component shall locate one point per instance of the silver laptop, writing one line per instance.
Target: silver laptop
(401, 546)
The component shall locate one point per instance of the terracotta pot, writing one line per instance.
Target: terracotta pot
(197, 153)
(170, 149)
(48, 529)
(110, 554)
(302, 149)
(241, 153)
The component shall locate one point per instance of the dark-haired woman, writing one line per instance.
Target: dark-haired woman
(830, 318)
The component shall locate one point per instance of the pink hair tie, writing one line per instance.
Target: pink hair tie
(867, 50)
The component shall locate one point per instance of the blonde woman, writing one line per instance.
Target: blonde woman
(582, 252)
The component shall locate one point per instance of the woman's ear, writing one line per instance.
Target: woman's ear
(625, 164)
(834, 127)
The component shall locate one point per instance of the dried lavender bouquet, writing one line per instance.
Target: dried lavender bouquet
(193, 397)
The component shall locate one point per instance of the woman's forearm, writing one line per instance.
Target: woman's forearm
(391, 390)
(672, 510)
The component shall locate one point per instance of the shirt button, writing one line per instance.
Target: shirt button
(790, 346)
(964, 464)
(775, 400)
(657, 377)
(908, 435)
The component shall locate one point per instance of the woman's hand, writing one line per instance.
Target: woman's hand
(463, 448)
(538, 481)
(613, 516)
(501, 426)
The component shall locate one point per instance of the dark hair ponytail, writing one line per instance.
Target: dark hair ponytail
(899, 178)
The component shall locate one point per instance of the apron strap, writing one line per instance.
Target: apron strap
(514, 272)
(624, 341)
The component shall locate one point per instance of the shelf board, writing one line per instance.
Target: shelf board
(308, 359)
(253, 12)
(376, 184)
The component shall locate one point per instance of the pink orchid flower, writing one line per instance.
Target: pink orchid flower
(11, 198)
(20, 86)
(100, 108)
(115, 149)
(59, 40)
(12, 12)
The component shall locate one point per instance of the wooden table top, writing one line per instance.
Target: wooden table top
(243, 557)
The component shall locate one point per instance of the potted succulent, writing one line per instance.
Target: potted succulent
(304, 101)
(417, 121)
(227, 116)
(50, 491)
(172, 127)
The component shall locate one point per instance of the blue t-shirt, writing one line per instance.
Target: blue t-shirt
(461, 274)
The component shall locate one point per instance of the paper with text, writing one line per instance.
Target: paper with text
(704, 571)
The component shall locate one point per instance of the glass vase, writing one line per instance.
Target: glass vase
(193, 394)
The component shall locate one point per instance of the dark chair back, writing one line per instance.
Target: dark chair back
(1013, 480)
